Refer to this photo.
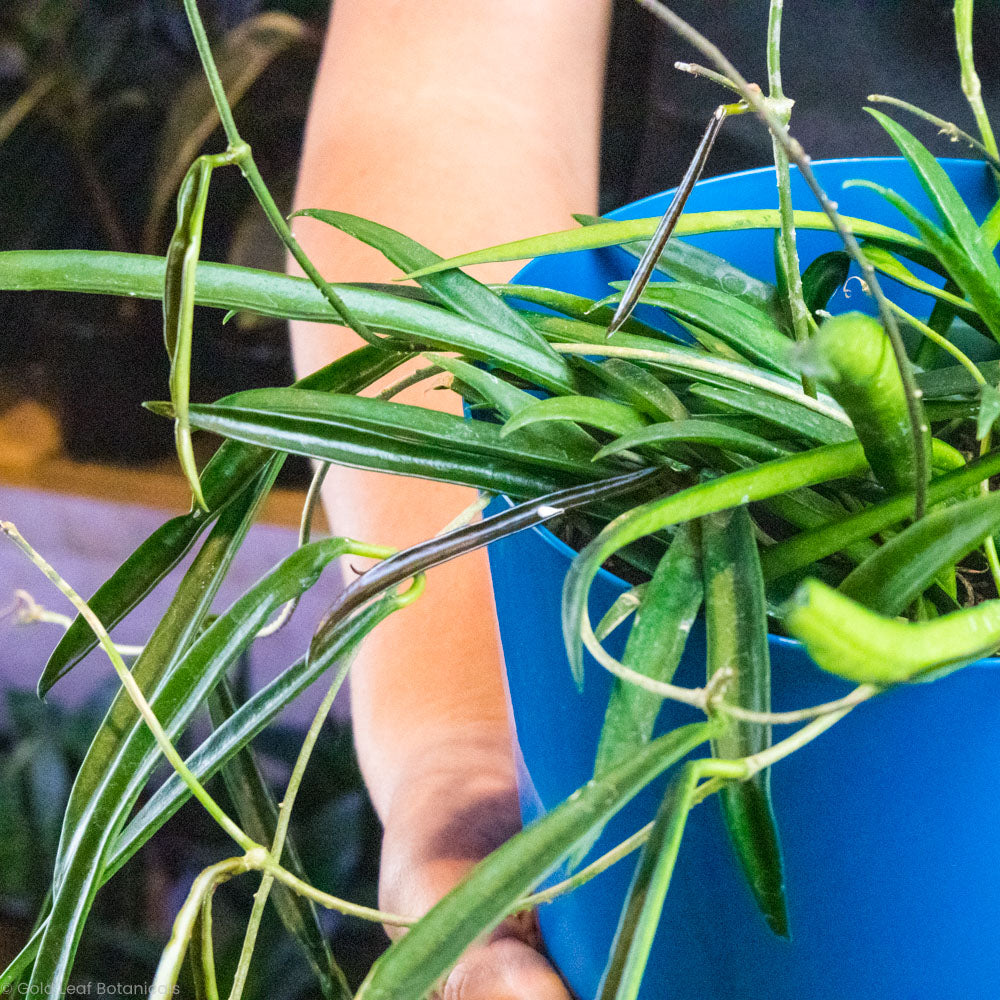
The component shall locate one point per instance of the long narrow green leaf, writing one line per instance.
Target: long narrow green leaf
(978, 280)
(736, 632)
(247, 721)
(848, 640)
(640, 916)
(236, 733)
(392, 437)
(508, 400)
(789, 416)
(228, 287)
(257, 812)
(484, 897)
(463, 294)
(574, 306)
(639, 388)
(799, 551)
(956, 380)
(604, 414)
(111, 776)
(613, 233)
(768, 479)
(695, 431)
(228, 472)
(908, 563)
(655, 645)
(954, 213)
(746, 328)
(684, 261)
(891, 266)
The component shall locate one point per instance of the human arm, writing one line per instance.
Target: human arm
(461, 123)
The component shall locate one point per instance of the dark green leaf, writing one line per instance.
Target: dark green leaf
(747, 329)
(605, 415)
(257, 812)
(484, 897)
(640, 916)
(989, 410)
(123, 753)
(736, 632)
(694, 432)
(461, 293)
(655, 645)
(785, 414)
(393, 437)
(823, 277)
(909, 562)
(232, 467)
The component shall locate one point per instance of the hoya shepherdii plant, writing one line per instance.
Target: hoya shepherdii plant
(764, 448)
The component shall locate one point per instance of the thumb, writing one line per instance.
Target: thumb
(503, 969)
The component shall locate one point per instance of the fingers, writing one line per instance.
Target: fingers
(503, 969)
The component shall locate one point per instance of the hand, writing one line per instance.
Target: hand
(458, 804)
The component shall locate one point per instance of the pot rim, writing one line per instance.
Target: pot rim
(629, 211)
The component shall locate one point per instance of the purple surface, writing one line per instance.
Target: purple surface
(86, 540)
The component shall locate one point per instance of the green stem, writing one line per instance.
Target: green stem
(250, 938)
(797, 155)
(256, 181)
(947, 128)
(709, 74)
(209, 981)
(133, 690)
(168, 969)
(971, 86)
(787, 244)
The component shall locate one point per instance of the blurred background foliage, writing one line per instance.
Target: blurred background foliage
(102, 108)
(333, 826)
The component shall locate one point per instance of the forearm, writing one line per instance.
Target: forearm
(461, 123)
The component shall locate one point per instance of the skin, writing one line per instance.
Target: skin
(462, 123)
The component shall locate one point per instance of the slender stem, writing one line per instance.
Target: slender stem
(209, 981)
(586, 873)
(861, 693)
(250, 937)
(785, 388)
(133, 690)
(305, 533)
(946, 345)
(787, 245)
(256, 181)
(329, 902)
(168, 969)
(971, 86)
(950, 129)
(797, 155)
(709, 74)
(211, 71)
(414, 378)
(778, 751)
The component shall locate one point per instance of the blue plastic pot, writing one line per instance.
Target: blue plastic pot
(890, 822)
